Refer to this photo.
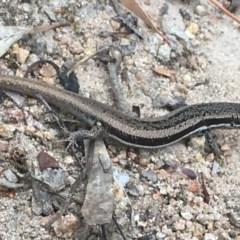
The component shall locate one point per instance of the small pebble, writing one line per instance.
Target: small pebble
(162, 174)
(187, 215)
(179, 226)
(201, 10)
(4, 182)
(124, 42)
(227, 153)
(69, 160)
(232, 234)
(26, 7)
(215, 168)
(144, 161)
(91, 47)
(199, 157)
(46, 161)
(192, 30)
(201, 61)
(15, 115)
(194, 187)
(164, 53)
(47, 70)
(49, 135)
(189, 173)
(150, 175)
(32, 58)
(7, 131)
(4, 146)
(156, 196)
(197, 142)
(105, 16)
(132, 189)
(10, 176)
(18, 99)
(187, 81)
(120, 176)
(189, 226)
(210, 236)
(154, 43)
(71, 180)
(198, 230)
(115, 160)
(225, 147)
(140, 189)
(182, 88)
(147, 2)
(65, 226)
(203, 219)
(119, 193)
(22, 55)
(76, 47)
(160, 235)
(55, 178)
(210, 157)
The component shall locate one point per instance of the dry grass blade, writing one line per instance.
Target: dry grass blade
(220, 6)
(134, 7)
(47, 27)
(164, 72)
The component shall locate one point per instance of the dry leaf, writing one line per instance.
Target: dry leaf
(11, 34)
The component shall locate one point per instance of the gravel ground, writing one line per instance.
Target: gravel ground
(162, 199)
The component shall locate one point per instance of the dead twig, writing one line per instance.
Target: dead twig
(220, 6)
(134, 7)
(47, 27)
(206, 196)
(119, 228)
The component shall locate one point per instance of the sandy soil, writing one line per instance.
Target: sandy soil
(159, 203)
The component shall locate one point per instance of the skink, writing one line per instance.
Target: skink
(136, 132)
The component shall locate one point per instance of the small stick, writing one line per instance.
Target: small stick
(119, 228)
(220, 6)
(206, 196)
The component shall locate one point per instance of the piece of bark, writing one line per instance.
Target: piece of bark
(98, 204)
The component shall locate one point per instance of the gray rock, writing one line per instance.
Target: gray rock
(10, 176)
(164, 53)
(186, 215)
(210, 236)
(201, 10)
(150, 175)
